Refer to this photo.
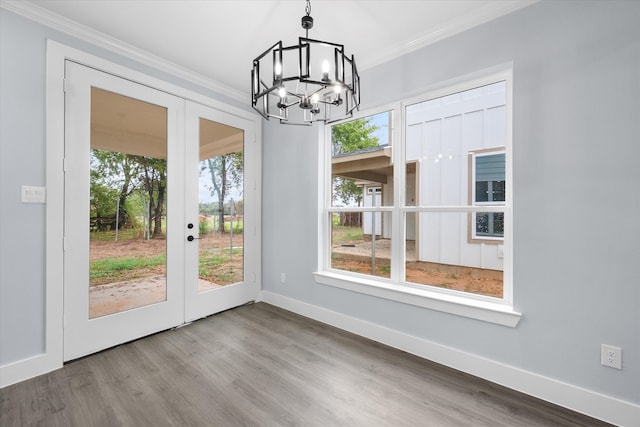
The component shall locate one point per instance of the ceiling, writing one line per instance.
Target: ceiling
(215, 41)
(128, 125)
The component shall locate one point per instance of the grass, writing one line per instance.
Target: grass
(385, 269)
(119, 262)
(208, 226)
(210, 260)
(343, 235)
(238, 227)
(123, 234)
(215, 266)
(110, 270)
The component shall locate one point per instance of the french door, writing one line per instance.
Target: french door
(156, 210)
(220, 254)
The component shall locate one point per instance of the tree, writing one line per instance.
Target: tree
(153, 174)
(116, 172)
(353, 136)
(103, 202)
(226, 172)
(346, 138)
(346, 191)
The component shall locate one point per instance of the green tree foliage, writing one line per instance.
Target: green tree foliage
(346, 138)
(353, 136)
(116, 176)
(112, 180)
(103, 201)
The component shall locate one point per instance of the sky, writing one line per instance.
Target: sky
(204, 183)
(381, 120)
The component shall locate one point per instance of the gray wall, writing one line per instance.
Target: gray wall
(576, 232)
(22, 162)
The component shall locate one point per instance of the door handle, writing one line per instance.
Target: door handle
(191, 238)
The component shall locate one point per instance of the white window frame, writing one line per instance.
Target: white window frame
(473, 236)
(493, 310)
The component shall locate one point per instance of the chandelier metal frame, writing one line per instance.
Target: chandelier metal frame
(286, 76)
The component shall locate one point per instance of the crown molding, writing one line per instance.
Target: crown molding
(488, 12)
(82, 32)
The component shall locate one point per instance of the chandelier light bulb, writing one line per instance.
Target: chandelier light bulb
(315, 98)
(325, 70)
(278, 69)
(338, 91)
(282, 103)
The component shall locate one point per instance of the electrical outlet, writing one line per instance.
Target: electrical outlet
(283, 278)
(611, 356)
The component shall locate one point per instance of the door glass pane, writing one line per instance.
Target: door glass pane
(221, 205)
(127, 207)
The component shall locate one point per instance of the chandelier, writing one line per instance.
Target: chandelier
(313, 81)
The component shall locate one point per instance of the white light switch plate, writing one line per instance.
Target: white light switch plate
(32, 194)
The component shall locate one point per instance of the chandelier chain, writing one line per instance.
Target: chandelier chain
(308, 8)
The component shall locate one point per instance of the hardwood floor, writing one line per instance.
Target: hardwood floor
(259, 365)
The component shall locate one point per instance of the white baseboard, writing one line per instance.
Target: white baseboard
(578, 399)
(25, 369)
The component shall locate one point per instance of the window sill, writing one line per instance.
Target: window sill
(485, 311)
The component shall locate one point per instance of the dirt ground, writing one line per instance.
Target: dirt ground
(140, 287)
(473, 280)
(147, 286)
(100, 249)
(228, 272)
(484, 282)
(351, 251)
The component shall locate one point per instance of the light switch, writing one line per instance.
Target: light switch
(32, 194)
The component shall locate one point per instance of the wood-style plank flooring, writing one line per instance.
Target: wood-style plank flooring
(259, 365)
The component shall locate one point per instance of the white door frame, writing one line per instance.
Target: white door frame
(57, 53)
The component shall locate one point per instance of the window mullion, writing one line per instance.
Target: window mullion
(476, 208)
(324, 195)
(398, 229)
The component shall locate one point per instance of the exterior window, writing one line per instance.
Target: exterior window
(433, 213)
(489, 188)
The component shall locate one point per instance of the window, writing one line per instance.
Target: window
(438, 226)
(487, 177)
